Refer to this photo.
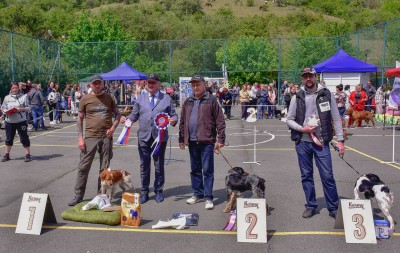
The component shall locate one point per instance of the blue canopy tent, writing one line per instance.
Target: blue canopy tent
(124, 72)
(344, 68)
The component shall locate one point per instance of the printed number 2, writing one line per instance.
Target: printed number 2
(252, 219)
(32, 209)
(360, 232)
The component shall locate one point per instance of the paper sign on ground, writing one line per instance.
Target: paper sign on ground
(355, 216)
(251, 220)
(35, 209)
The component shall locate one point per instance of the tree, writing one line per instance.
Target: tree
(247, 60)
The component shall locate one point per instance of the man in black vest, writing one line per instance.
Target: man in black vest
(313, 103)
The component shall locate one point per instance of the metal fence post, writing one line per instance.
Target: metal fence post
(384, 53)
(279, 70)
(170, 62)
(116, 54)
(12, 55)
(38, 48)
(358, 44)
(59, 60)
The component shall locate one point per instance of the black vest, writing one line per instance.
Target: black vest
(323, 96)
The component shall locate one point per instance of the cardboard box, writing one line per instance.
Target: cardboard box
(131, 210)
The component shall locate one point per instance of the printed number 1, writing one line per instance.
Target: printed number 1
(32, 209)
(252, 219)
(360, 232)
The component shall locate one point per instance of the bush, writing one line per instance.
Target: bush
(263, 7)
(250, 3)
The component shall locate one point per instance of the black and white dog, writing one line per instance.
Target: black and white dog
(238, 181)
(373, 188)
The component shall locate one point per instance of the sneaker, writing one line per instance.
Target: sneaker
(209, 204)
(194, 200)
(6, 158)
(28, 158)
(75, 201)
(308, 213)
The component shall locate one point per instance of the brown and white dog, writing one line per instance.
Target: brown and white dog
(111, 178)
(360, 116)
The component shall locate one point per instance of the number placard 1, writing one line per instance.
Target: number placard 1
(35, 209)
(355, 216)
(251, 220)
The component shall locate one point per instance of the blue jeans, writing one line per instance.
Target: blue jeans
(202, 169)
(261, 110)
(271, 110)
(341, 111)
(305, 153)
(37, 114)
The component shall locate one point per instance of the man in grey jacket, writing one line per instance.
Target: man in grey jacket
(147, 106)
(311, 113)
(36, 101)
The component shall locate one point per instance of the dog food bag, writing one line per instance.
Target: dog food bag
(382, 229)
(130, 209)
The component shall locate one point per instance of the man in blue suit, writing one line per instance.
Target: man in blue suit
(145, 109)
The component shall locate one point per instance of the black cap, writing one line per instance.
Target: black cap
(95, 78)
(153, 77)
(308, 70)
(197, 78)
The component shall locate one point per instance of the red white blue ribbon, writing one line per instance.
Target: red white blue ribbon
(161, 121)
(230, 225)
(124, 136)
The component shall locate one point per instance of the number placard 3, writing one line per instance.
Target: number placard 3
(357, 219)
(251, 220)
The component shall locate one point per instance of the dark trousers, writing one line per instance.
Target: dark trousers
(244, 109)
(227, 109)
(202, 169)
(11, 130)
(52, 111)
(305, 153)
(145, 151)
(103, 145)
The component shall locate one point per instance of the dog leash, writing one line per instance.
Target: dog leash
(341, 156)
(218, 151)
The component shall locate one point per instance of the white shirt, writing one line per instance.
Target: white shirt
(155, 97)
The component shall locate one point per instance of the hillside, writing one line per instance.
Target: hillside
(195, 19)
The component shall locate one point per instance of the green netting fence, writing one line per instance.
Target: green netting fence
(259, 59)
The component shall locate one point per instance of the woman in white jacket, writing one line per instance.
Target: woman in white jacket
(14, 106)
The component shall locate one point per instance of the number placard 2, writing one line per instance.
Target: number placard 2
(251, 220)
(355, 216)
(35, 209)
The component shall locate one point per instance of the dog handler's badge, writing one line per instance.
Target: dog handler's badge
(324, 107)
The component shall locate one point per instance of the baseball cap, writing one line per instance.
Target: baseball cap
(198, 78)
(153, 77)
(95, 78)
(308, 70)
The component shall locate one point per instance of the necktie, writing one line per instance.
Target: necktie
(152, 101)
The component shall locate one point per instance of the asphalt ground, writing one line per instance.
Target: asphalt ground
(54, 168)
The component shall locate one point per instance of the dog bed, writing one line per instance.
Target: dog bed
(92, 216)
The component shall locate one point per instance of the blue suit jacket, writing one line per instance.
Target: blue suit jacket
(143, 112)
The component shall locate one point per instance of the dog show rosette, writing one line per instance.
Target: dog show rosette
(161, 121)
(124, 136)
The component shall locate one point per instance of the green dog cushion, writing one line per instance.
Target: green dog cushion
(91, 216)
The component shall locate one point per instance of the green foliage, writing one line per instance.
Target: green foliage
(258, 55)
(250, 3)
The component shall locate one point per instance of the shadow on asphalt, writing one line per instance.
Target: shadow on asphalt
(45, 157)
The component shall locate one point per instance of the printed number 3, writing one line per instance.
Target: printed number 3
(252, 219)
(359, 233)
(32, 209)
